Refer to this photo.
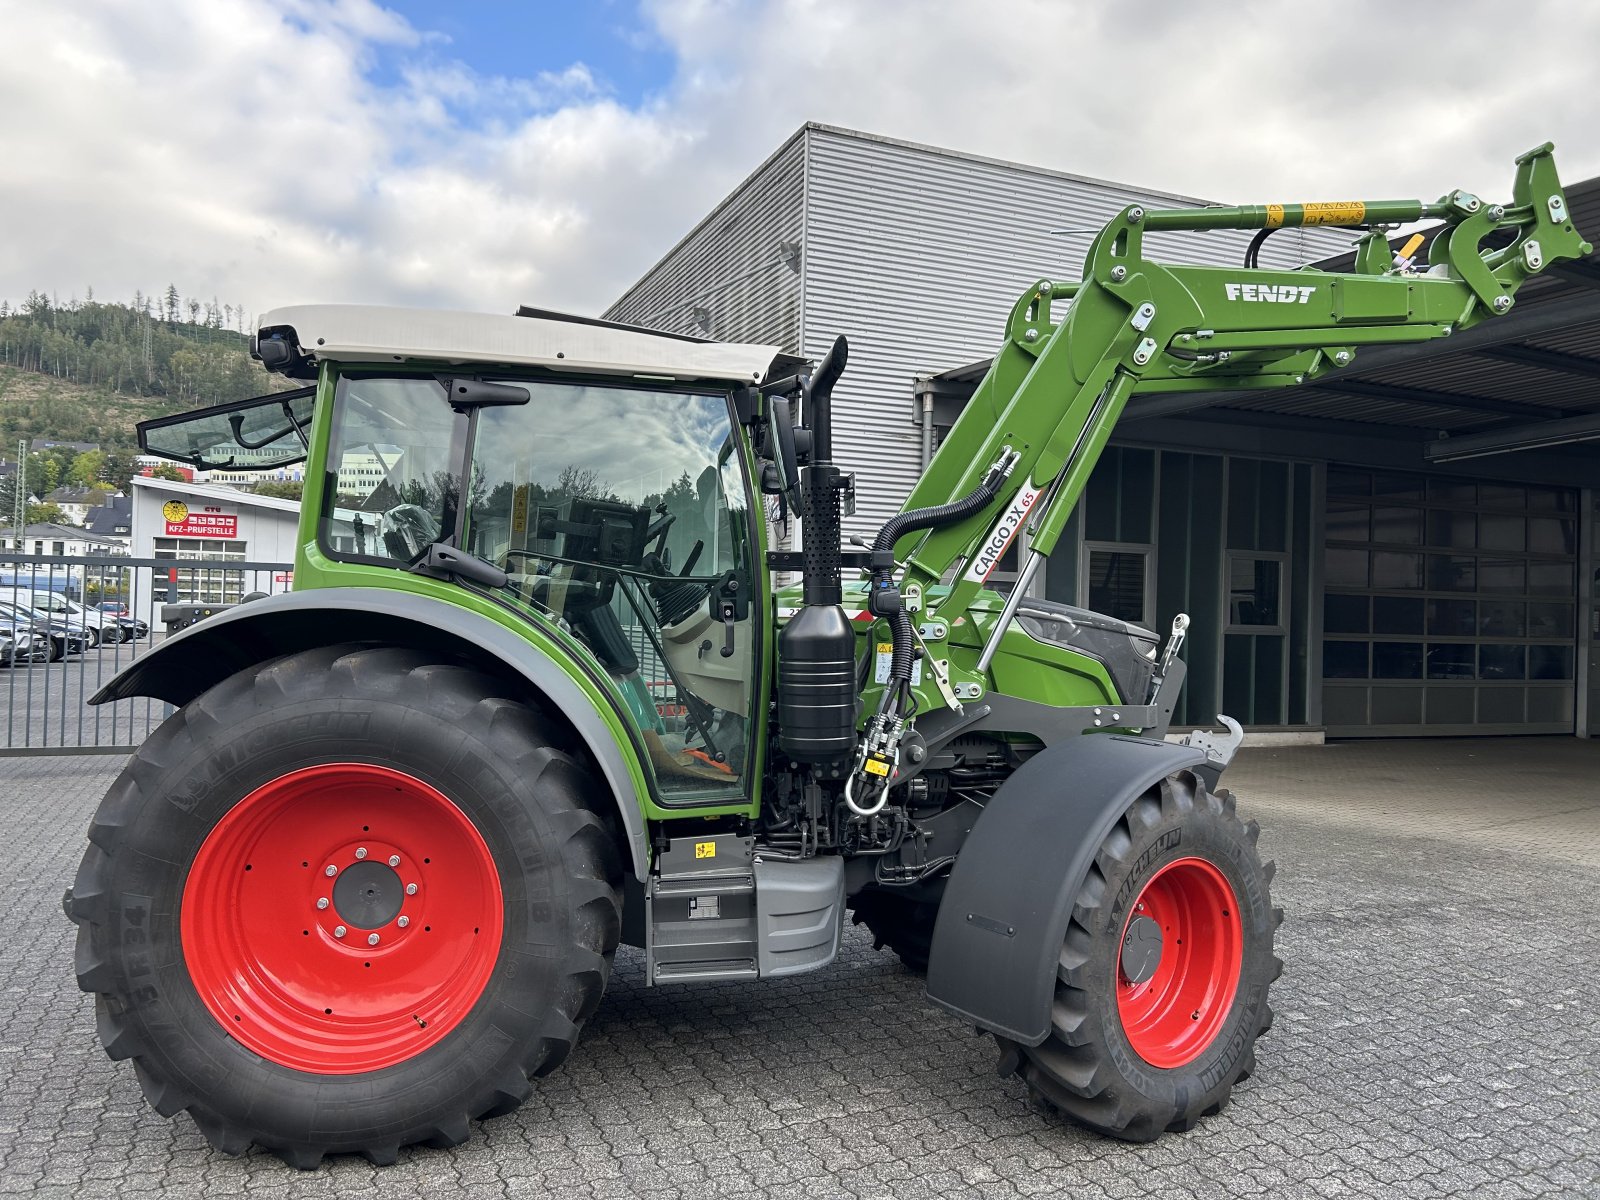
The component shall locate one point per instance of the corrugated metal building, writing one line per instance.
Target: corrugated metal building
(1339, 578)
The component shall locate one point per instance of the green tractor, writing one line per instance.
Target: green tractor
(537, 693)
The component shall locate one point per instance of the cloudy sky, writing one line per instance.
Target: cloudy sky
(485, 153)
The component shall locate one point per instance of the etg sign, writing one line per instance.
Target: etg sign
(211, 521)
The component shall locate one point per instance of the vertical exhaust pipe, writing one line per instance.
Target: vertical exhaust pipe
(816, 649)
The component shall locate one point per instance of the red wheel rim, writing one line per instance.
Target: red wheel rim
(279, 958)
(1171, 1017)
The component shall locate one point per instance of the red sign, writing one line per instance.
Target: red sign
(186, 472)
(182, 521)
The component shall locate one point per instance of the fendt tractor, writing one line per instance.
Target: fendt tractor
(545, 685)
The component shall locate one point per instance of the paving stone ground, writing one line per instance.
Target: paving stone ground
(1438, 1031)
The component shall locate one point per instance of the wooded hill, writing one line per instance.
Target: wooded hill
(87, 371)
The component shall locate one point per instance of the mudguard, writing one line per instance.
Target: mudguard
(203, 655)
(1004, 915)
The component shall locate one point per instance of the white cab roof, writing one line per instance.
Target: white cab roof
(368, 333)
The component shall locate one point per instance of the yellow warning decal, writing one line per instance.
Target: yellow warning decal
(1335, 212)
(885, 647)
(1274, 216)
(874, 767)
(705, 849)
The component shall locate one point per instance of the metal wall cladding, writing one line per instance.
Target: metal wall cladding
(917, 255)
(736, 276)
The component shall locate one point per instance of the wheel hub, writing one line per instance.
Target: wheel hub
(1181, 957)
(1141, 950)
(342, 918)
(368, 894)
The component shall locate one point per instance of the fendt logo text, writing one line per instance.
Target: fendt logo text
(1270, 293)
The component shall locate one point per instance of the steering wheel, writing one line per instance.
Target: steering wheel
(407, 531)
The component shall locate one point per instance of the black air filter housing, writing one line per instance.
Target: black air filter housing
(817, 686)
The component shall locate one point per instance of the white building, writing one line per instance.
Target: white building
(224, 543)
(60, 540)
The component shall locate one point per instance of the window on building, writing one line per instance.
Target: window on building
(1255, 593)
(1117, 581)
(205, 584)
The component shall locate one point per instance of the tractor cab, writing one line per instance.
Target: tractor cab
(613, 507)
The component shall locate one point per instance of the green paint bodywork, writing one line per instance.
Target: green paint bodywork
(1074, 355)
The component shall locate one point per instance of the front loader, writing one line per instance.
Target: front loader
(538, 692)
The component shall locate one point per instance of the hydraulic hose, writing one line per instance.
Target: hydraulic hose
(895, 528)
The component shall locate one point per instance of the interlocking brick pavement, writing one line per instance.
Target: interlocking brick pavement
(1438, 1031)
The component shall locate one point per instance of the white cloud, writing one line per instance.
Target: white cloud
(242, 148)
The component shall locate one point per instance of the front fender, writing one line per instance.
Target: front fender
(1005, 911)
(203, 655)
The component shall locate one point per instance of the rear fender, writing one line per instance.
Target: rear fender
(203, 655)
(1001, 924)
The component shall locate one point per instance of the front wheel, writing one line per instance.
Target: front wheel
(346, 902)
(1162, 983)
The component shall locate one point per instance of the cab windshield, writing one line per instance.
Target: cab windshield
(619, 513)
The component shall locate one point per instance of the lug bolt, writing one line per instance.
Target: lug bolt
(372, 939)
(322, 902)
(361, 851)
(338, 931)
(330, 871)
(411, 889)
(403, 922)
(394, 860)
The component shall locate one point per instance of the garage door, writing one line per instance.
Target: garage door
(1450, 606)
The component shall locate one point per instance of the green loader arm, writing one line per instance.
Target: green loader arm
(1132, 326)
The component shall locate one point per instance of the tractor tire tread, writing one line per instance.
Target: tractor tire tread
(1073, 1069)
(522, 735)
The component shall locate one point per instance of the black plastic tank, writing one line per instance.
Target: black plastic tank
(817, 686)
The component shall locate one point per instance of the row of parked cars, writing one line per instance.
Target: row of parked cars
(47, 626)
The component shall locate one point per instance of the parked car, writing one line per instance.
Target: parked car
(18, 643)
(98, 626)
(53, 639)
(115, 608)
(131, 629)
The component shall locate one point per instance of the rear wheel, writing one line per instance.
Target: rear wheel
(347, 902)
(1161, 989)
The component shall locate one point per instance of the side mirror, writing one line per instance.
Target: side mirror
(784, 455)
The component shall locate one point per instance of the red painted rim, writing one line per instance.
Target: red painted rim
(1174, 1016)
(273, 967)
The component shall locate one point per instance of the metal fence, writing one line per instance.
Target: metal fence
(65, 645)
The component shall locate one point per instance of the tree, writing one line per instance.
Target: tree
(582, 482)
(284, 489)
(45, 514)
(166, 471)
(88, 468)
(172, 304)
(118, 470)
